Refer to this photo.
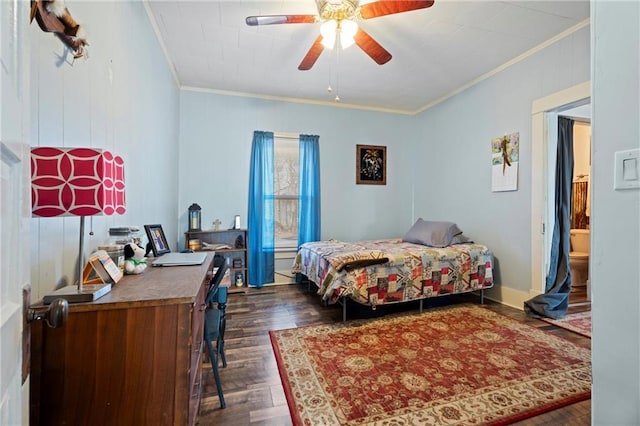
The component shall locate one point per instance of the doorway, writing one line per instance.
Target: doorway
(544, 126)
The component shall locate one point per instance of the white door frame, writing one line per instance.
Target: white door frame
(541, 220)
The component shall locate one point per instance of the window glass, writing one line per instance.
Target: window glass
(285, 185)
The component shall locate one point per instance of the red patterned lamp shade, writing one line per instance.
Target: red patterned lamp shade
(76, 182)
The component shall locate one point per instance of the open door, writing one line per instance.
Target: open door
(15, 208)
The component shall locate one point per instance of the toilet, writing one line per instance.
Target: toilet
(579, 256)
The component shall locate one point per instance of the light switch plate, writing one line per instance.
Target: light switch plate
(627, 169)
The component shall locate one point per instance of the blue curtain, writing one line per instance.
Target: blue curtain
(554, 303)
(261, 211)
(309, 206)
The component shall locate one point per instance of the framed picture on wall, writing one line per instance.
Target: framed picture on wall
(157, 240)
(371, 165)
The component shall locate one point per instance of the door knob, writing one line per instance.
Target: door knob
(55, 314)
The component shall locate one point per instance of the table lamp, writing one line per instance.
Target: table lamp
(76, 182)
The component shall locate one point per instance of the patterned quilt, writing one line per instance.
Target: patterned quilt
(412, 271)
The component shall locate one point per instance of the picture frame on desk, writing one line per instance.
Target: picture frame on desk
(157, 239)
(100, 269)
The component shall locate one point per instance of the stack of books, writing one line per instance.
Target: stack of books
(125, 234)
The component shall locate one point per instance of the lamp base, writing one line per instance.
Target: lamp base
(89, 293)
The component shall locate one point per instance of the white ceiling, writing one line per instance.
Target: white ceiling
(435, 51)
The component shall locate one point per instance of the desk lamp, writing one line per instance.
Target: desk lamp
(76, 182)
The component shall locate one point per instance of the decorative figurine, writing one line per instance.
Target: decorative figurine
(135, 261)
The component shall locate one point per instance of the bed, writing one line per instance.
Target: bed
(387, 271)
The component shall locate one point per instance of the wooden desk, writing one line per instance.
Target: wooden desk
(132, 357)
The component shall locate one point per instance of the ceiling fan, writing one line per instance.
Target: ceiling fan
(339, 22)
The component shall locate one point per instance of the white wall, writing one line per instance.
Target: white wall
(581, 150)
(615, 243)
(215, 137)
(453, 158)
(121, 98)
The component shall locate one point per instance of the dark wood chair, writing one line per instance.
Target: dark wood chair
(214, 324)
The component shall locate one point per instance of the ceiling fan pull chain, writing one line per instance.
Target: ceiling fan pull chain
(332, 72)
(337, 98)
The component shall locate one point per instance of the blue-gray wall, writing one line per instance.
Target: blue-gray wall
(122, 98)
(439, 161)
(453, 156)
(215, 142)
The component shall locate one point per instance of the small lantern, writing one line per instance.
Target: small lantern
(195, 218)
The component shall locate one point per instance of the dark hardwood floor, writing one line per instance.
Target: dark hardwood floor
(251, 382)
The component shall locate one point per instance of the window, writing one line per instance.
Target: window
(286, 161)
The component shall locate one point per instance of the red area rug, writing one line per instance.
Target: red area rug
(454, 365)
(578, 323)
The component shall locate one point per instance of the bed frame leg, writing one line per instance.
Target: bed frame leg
(344, 309)
(421, 302)
(482, 297)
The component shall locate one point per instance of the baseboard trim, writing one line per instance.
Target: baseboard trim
(283, 278)
(508, 296)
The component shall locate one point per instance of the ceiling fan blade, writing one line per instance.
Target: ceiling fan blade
(280, 19)
(312, 55)
(372, 47)
(385, 7)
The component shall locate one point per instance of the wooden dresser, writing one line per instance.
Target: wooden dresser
(132, 357)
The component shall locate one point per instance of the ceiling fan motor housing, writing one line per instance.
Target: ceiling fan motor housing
(337, 9)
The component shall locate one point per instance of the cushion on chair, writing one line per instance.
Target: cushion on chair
(221, 296)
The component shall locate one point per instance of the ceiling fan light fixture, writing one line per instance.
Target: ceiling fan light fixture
(348, 30)
(328, 32)
(338, 20)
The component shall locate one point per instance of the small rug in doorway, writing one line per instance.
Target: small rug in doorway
(578, 323)
(463, 365)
